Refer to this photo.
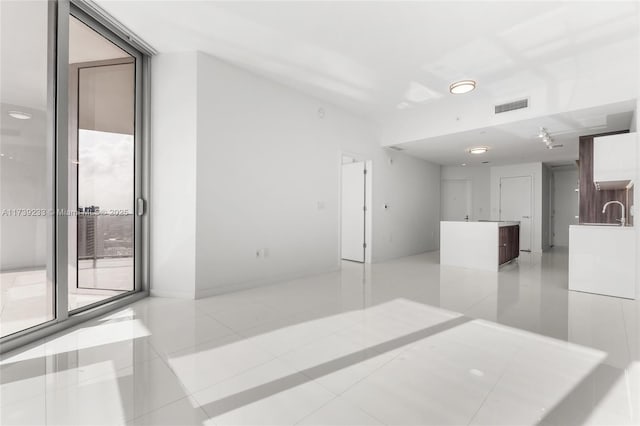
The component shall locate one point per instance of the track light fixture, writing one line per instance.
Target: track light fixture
(543, 134)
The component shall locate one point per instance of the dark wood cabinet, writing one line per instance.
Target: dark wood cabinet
(592, 200)
(508, 243)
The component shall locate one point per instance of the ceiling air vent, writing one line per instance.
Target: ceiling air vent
(396, 148)
(511, 106)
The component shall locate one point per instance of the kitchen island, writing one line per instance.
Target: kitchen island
(479, 245)
(602, 260)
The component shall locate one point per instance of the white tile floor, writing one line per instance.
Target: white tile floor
(26, 298)
(401, 342)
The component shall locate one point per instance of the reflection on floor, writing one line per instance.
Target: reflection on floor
(26, 299)
(401, 342)
(108, 278)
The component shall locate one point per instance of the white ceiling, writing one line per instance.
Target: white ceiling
(391, 60)
(518, 141)
(371, 56)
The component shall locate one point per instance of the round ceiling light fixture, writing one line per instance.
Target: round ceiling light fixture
(478, 150)
(462, 86)
(19, 115)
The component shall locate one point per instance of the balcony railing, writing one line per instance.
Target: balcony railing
(104, 237)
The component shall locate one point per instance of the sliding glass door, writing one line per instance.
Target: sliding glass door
(72, 188)
(102, 83)
(27, 296)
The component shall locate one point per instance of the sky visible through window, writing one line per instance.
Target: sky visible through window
(105, 170)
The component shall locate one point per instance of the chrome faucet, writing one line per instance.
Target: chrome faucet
(604, 208)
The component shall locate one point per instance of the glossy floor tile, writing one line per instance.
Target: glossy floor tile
(26, 297)
(401, 342)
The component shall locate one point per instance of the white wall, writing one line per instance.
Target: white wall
(265, 160)
(173, 175)
(411, 189)
(636, 195)
(527, 169)
(636, 199)
(249, 164)
(565, 204)
(546, 208)
(480, 178)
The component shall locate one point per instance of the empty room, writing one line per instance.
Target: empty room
(319, 212)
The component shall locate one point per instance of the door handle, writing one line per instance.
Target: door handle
(526, 217)
(140, 206)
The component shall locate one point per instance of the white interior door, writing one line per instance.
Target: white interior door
(455, 200)
(353, 212)
(516, 204)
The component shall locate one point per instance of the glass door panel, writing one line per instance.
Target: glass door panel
(102, 103)
(27, 296)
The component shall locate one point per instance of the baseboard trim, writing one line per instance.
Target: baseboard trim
(171, 294)
(232, 288)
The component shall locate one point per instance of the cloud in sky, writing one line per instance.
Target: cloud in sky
(105, 170)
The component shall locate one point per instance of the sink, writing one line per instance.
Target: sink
(602, 224)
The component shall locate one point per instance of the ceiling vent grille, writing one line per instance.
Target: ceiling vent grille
(396, 148)
(511, 106)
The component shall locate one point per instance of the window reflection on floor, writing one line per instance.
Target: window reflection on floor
(368, 345)
(25, 301)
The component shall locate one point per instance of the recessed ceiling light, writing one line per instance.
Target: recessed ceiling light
(20, 115)
(463, 86)
(476, 372)
(463, 164)
(478, 150)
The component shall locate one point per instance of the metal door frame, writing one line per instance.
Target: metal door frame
(59, 13)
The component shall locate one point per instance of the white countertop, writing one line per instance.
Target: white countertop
(499, 223)
(604, 226)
